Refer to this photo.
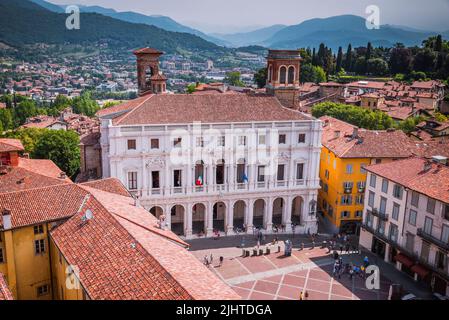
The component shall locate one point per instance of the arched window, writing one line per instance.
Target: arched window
(283, 75)
(291, 75)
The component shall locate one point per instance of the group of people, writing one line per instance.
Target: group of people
(207, 260)
(349, 268)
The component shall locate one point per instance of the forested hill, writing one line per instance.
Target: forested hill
(24, 22)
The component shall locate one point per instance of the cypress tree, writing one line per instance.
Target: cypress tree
(339, 59)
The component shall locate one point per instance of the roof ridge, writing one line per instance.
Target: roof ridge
(148, 229)
(134, 109)
(38, 188)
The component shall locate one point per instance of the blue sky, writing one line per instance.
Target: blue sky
(235, 15)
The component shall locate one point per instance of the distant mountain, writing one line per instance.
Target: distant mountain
(49, 27)
(162, 22)
(340, 31)
(49, 6)
(251, 38)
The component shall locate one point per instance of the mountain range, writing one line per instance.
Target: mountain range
(25, 22)
(129, 26)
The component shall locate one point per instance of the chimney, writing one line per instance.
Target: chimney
(62, 175)
(355, 133)
(427, 166)
(336, 134)
(26, 155)
(6, 216)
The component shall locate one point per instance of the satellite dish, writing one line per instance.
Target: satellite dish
(89, 215)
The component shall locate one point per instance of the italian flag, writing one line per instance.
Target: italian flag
(199, 181)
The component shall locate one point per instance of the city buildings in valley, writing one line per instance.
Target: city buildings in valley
(345, 153)
(406, 218)
(216, 162)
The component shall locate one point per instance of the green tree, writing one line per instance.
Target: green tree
(400, 60)
(6, 119)
(233, 78)
(339, 60)
(348, 59)
(191, 88)
(424, 60)
(310, 73)
(24, 110)
(377, 67)
(363, 118)
(28, 136)
(260, 77)
(84, 104)
(62, 147)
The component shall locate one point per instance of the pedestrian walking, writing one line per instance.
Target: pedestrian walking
(221, 261)
(301, 296)
(211, 258)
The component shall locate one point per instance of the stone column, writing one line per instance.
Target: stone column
(249, 215)
(188, 221)
(268, 221)
(167, 175)
(229, 220)
(188, 183)
(209, 219)
(287, 214)
(167, 213)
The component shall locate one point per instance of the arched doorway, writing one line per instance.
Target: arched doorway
(219, 216)
(157, 211)
(239, 214)
(198, 219)
(259, 213)
(278, 207)
(177, 220)
(297, 207)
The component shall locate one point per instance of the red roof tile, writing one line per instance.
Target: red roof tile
(369, 144)
(111, 185)
(5, 294)
(8, 145)
(184, 108)
(411, 174)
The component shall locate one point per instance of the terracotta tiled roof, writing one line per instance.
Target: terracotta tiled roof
(40, 205)
(5, 294)
(8, 145)
(184, 108)
(411, 174)
(369, 144)
(147, 50)
(130, 258)
(42, 166)
(430, 148)
(111, 185)
(123, 107)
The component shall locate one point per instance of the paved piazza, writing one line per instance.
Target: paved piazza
(276, 277)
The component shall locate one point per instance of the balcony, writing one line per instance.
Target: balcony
(380, 215)
(377, 233)
(348, 190)
(428, 237)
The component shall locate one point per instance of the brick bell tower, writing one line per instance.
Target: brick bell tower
(149, 78)
(283, 75)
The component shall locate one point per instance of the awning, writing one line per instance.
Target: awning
(420, 270)
(406, 261)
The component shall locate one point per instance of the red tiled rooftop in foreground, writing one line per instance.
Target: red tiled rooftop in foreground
(372, 143)
(8, 145)
(185, 108)
(411, 174)
(111, 185)
(5, 294)
(130, 258)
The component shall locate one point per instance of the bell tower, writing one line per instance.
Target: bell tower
(283, 75)
(149, 78)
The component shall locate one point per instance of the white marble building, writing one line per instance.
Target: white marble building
(225, 162)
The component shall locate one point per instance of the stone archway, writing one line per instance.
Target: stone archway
(259, 213)
(157, 211)
(278, 208)
(297, 208)
(199, 219)
(177, 213)
(239, 214)
(219, 216)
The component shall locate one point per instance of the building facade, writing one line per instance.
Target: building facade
(216, 163)
(406, 219)
(346, 151)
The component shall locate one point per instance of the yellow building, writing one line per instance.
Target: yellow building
(346, 150)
